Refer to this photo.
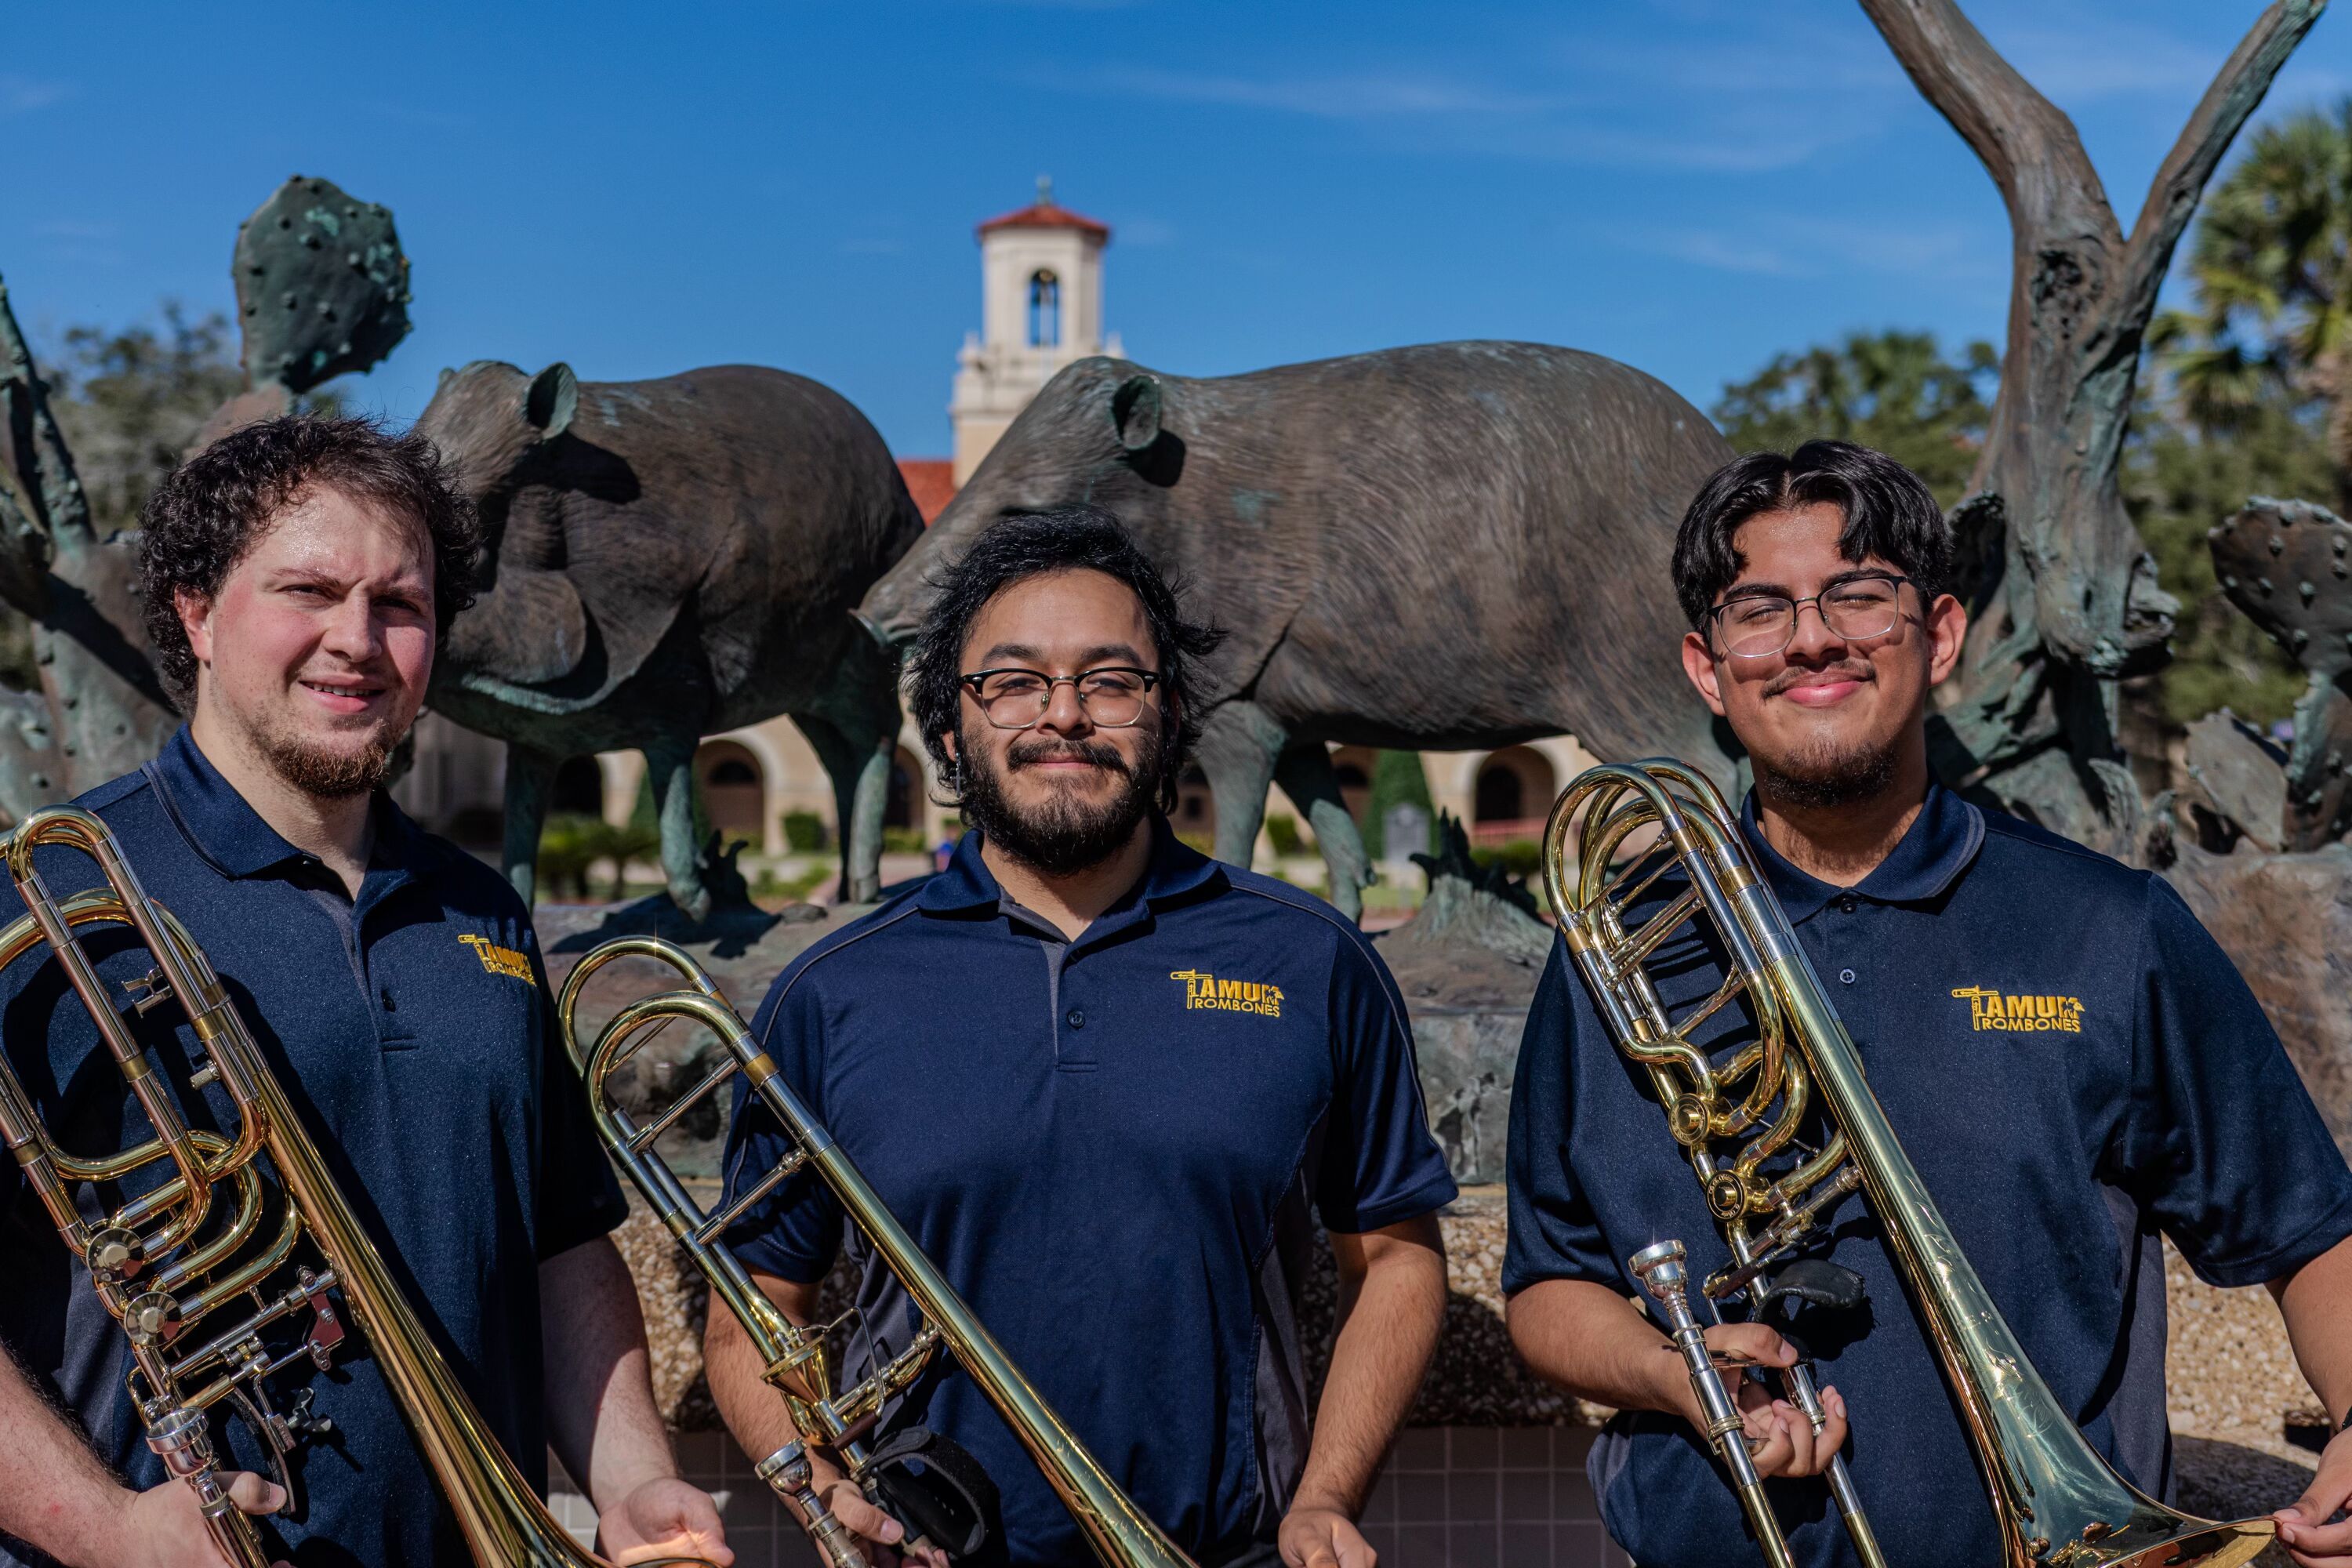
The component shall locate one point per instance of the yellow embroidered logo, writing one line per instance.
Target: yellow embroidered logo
(2021, 1014)
(1203, 989)
(499, 959)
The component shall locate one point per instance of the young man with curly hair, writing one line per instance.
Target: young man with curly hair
(298, 575)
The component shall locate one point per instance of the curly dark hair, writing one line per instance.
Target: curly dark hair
(212, 509)
(1889, 514)
(1014, 548)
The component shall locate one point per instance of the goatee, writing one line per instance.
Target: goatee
(1063, 835)
(1829, 776)
(326, 773)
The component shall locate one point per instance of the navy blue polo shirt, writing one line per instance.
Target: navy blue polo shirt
(1109, 1147)
(2073, 1065)
(412, 1031)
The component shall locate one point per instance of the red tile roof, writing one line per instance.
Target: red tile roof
(1045, 215)
(931, 482)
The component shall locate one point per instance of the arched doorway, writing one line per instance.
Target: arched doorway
(734, 791)
(1512, 795)
(1196, 808)
(1354, 766)
(902, 804)
(579, 788)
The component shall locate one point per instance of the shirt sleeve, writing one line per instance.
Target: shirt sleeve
(1380, 1163)
(794, 1231)
(1553, 1232)
(578, 1195)
(2223, 1145)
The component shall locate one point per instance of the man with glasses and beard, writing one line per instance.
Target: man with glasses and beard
(2070, 1062)
(298, 575)
(1103, 1080)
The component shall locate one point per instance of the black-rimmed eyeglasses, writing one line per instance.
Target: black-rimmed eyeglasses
(1112, 695)
(1757, 626)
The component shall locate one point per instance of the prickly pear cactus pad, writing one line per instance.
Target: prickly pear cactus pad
(322, 285)
(2288, 566)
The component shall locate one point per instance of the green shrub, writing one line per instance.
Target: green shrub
(1520, 857)
(1397, 777)
(904, 841)
(1283, 833)
(568, 848)
(804, 832)
(572, 845)
(770, 888)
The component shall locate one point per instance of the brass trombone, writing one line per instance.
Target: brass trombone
(2056, 1502)
(801, 1363)
(166, 1261)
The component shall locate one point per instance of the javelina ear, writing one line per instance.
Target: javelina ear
(553, 400)
(1135, 412)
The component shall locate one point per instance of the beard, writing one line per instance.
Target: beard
(328, 773)
(1063, 835)
(1825, 773)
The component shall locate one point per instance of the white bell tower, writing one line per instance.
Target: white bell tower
(1041, 307)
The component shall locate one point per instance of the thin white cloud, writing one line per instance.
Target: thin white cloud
(2113, 59)
(1777, 247)
(1358, 97)
(1717, 252)
(27, 95)
(1459, 114)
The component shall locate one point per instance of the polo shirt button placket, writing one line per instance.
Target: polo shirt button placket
(1077, 1020)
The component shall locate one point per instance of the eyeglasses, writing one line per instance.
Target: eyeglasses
(1762, 625)
(1112, 695)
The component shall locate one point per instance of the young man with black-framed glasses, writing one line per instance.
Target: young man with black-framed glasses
(2069, 1060)
(1103, 1080)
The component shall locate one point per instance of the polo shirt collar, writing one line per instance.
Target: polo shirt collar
(1933, 852)
(1174, 869)
(226, 830)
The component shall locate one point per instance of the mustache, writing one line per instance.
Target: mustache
(1844, 669)
(1099, 754)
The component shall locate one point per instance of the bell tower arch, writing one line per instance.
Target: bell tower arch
(1041, 307)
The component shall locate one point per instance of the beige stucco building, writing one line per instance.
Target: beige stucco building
(1041, 307)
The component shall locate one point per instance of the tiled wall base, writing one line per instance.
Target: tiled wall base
(1452, 1497)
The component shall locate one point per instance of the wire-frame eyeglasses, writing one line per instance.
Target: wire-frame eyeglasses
(1757, 626)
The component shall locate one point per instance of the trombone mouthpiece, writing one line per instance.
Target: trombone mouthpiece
(1660, 1270)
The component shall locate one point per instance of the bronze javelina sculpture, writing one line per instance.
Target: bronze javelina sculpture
(668, 559)
(1454, 546)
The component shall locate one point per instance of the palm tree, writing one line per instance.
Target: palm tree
(2271, 275)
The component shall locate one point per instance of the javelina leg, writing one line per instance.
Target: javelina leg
(1237, 751)
(859, 767)
(669, 763)
(1305, 773)
(530, 776)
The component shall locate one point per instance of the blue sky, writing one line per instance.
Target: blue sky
(1689, 185)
